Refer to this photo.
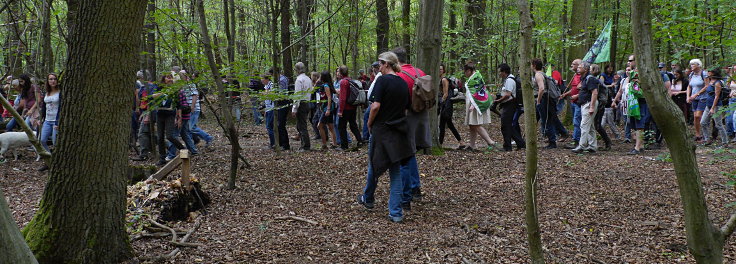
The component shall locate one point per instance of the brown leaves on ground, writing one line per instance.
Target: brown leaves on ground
(606, 207)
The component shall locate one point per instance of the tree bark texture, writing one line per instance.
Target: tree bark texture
(47, 52)
(581, 10)
(530, 124)
(382, 26)
(14, 45)
(225, 104)
(228, 33)
(12, 245)
(406, 35)
(429, 47)
(704, 240)
(81, 218)
(286, 40)
(151, 41)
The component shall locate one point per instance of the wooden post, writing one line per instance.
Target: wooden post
(185, 169)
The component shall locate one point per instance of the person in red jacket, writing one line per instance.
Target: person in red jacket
(346, 112)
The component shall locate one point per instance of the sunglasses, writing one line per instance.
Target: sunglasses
(631, 60)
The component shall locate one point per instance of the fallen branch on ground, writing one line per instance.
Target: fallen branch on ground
(296, 218)
(182, 242)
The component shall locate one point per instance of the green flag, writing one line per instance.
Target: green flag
(601, 49)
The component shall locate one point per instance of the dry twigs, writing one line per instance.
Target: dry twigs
(296, 218)
(180, 243)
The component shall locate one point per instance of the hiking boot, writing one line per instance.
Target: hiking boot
(207, 144)
(577, 150)
(140, 158)
(551, 146)
(361, 201)
(591, 150)
(416, 194)
(406, 206)
(634, 152)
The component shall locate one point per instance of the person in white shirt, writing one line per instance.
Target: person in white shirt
(302, 88)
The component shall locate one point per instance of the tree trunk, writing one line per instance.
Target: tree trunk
(406, 35)
(225, 105)
(355, 35)
(614, 34)
(578, 29)
(530, 124)
(12, 244)
(228, 33)
(286, 40)
(81, 218)
(48, 53)
(151, 40)
(382, 26)
(452, 24)
(14, 45)
(429, 47)
(704, 240)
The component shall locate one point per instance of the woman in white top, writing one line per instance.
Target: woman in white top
(52, 103)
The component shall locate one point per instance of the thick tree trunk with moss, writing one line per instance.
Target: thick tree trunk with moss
(530, 124)
(81, 218)
(705, 241)
(14, 249)
(429, 46)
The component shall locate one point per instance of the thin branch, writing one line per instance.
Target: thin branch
(296, 218)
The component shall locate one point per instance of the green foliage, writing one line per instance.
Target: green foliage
(664, 157)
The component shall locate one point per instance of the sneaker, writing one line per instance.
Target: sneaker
(633, 152)
(361, 201)
(208, 143)
(577, 150)
(591, 150)
(406, 206)
(396, 219)
(168, 159)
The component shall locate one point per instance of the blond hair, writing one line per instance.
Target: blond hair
(391, 59)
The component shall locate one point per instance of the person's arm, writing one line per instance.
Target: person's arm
(593, 101)
(716, 98)
(375, 106)
(619, 93)
(328, 93)
(445, 88)
(37, 94)
(539, 78)
(505, 94)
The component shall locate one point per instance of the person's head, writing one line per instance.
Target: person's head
(595, 69)
(175, 68)
(551, 66)
(388, 62)
(314, 76)
(503, 70)
(184, 75)
(401, 54)
(342, 71)
(583, 68)
(469, 69)
(674, 66)
(274, 71)
(442, 69)
(300, 68)
(15, 83)
(715, 73)
(326, 77)
(139, 75)
(679, 74)
(537, 64)
(167, 79)
(696, 65)
(619, 74)
(632, 62)
(361, 72)
(266, 78)
(52, 82)
(24, 82)
(375, 67)
(662, 66)
(609, 69)
(574, 65)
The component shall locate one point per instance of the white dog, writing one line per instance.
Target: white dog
(12, 141)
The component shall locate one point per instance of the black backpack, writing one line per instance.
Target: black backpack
(519, 98)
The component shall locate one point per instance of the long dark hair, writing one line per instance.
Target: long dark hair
(26, 88)
(325, 77)
(681, 73)
(48, 87)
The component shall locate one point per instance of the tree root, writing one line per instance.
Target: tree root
(179, 244)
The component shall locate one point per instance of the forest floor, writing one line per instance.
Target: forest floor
(606, 207)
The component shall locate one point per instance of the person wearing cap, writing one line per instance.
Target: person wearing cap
(363, 77)
(374, 71)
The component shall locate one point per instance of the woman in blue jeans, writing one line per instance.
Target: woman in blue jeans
(52, 103)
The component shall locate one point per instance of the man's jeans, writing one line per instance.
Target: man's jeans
(186, 135)
(269, 129)
(551, 124)
(257, 118)
(366, 133)
(197, 133)
(577, 117)
(410, 177)
(396, 185)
